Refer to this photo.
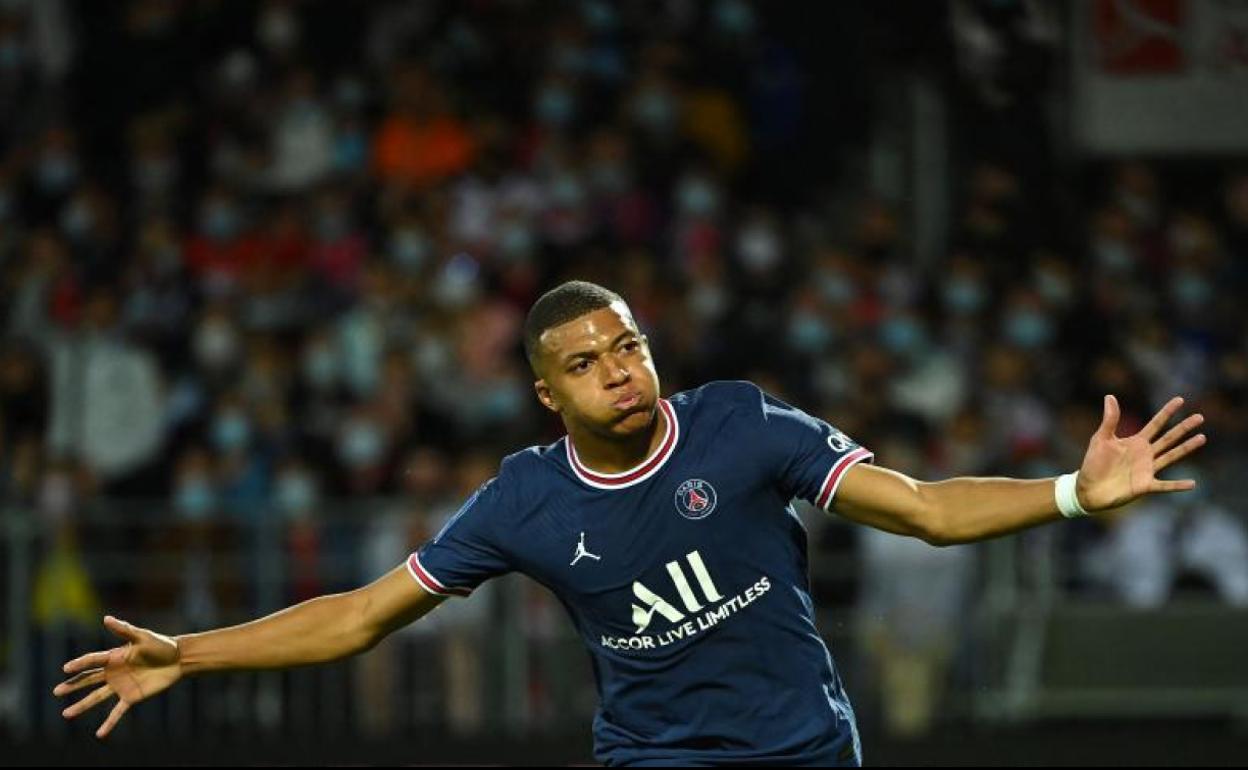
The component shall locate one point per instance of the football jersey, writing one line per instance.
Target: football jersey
(686, 577)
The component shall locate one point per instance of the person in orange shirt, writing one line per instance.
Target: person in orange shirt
(420, 142)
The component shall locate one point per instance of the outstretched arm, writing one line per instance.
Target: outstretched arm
(1115, 471)
(316, 631)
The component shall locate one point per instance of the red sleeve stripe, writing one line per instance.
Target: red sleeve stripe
(833, 479)
(429, 582)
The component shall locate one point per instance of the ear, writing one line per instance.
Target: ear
(545, 396)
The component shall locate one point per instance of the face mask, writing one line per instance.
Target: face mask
(332, 227)
(835, 287)
(350, 151)
(57, 172)
(361, 445)
(456, 285)
(231, 431)
(221, 221)
(503, 403)
(320, 367)
(1113, 254)
(1028, 329)
(194, 499)
(11, 55)
(56, 496)
(963, 296)
(696, 197)
(902, 336)
(566, 192)
(76, 220)
(759, 247)
(410, 248)
(154, 175)
(216, 344)
(515, 242)
(708, 301)
(555, 106)
(734, 18)
(1054, 288)
(808, 333)
(296, 494)
(1191, 290)
(279, 30)
(655, 110)
(608, 177)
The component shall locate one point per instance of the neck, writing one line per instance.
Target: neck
(619, 454)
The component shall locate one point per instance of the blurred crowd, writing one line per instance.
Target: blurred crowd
(258, 256)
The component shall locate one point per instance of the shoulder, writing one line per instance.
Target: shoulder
(528, 474)
(728, 394)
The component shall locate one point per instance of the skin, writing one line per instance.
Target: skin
(583, 368)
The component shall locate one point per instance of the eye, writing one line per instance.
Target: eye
(632, 345)
(581, 366)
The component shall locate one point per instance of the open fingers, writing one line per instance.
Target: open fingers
(114, 717)
(79, 681)
(90, 660)
(1179, 452)
(1179, 485)
(97, 696)
(1160, 419)
(1177, 432)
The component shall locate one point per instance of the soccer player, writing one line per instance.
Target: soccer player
(664, 525)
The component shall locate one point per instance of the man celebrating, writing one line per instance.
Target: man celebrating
(665, 527)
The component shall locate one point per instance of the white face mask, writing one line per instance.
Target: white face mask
(216, 344)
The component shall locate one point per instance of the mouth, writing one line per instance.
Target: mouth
(628, 401)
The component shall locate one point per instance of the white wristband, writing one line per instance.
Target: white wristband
(1067, 499)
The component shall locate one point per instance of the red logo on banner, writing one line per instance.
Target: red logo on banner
(1139, 37)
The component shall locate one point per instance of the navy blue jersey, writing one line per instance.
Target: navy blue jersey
(686, 577)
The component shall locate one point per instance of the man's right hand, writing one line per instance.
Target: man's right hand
(145, 665)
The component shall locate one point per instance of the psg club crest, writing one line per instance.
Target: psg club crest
(695, 499)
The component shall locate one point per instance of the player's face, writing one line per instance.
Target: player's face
(598, 372)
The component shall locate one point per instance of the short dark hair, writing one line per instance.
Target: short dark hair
(566, 302)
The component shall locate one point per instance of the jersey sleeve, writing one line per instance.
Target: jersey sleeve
(807, 456)
(467, 551)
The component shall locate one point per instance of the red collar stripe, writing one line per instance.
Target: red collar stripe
(651, 464)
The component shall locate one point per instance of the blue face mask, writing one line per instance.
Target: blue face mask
(902, 336)
(567, 191)
(503, 403)
(963, 296)
(410, 248)
(1028, 329)
(296, 494)
(320, 367)
(1191, 290)
(808, 333)
(350, 151)
(57, 173)
(195, 500)
(555, 106)
(655, 110)
(221, 222)
(1054, 288)
(697, 197)
(835, 287)
(361, 446)
(231, 431)
(515, 241)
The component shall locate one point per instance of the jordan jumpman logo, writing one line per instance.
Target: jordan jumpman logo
(581, 552)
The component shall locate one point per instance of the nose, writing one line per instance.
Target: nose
(614, 370)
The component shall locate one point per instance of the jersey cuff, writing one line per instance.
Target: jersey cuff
(429, 582)
(833, 480)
